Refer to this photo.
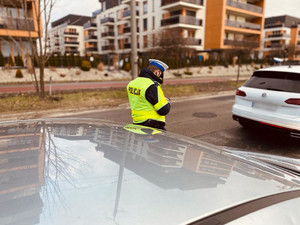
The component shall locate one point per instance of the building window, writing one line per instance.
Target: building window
(153, 5)
(145, 38)
(153, 23)
(145, 7)
(190, 13)
(145, 24)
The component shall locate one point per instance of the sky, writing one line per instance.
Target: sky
(86, 7)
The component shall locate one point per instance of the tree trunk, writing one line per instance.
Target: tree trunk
(238, 74)
(42, 83)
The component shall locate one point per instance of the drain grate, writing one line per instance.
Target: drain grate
(205, 115)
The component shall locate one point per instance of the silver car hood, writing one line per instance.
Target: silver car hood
(97, 172)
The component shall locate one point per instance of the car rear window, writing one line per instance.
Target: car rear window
(277, 81)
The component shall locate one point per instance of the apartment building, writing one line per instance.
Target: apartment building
(282, 37)
(152, 17)
(22, 152)
(234, 23)
(15, 27)
(91, 37)
(67, 35)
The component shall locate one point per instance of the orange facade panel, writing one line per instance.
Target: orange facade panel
(214, 26)
(228, 21)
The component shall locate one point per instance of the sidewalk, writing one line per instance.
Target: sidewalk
(76, 75)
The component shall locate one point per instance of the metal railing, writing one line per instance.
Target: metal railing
(245, 6)
(108, 34)
(128, 13)
(242, 43)
(108, 47)
(107, 20)
(128, 30)
(71, 33)
(71, 43)
(89, 24)
(278, 35)
(16, 24)
(245, 25)
(92, 49)
(195, 2)
(91, 37)
(193, 41)
(181, 19)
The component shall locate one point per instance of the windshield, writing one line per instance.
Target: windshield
(276, 81)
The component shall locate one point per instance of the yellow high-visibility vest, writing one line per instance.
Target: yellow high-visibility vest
(141, 109)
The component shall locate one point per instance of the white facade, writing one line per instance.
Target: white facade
(279, 35)
(67, 39)
(114, 24)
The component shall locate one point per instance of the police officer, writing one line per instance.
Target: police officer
(147, 101)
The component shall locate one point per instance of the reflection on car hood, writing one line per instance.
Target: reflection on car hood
(290, 164)
(98, 172)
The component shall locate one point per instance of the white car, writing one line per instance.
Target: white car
(271, 98)
(95, 172)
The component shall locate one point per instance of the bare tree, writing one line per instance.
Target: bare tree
(241, 49)
(42, 9)
(170, 44)
(280, 50)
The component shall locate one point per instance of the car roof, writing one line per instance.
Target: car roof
(283, 68)
(66, 171)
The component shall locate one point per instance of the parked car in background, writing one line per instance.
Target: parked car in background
(270, 98)
(67, 171)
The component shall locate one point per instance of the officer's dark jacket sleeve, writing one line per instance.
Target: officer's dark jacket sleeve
(152, 97)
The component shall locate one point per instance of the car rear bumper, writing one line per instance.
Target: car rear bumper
(291, 132)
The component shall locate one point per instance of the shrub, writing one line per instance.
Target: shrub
(188, 73)
(100, 66)
(85, 65)
(127, 67)
(19, 74)
(2, 59)
(177, 74)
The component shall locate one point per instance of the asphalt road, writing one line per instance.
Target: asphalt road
(209, 119)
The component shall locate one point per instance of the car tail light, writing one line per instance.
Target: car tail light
(240, 93)
(293, 101)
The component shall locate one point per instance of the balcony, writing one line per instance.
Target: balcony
(16, 24)
(127, 45)
(107, 20)
(188, 20)
(178, 4)
(91, 37)
(127, 14)
(245, 6)
(92, 49)
(71, 51)
(108, 34)
(71, 33)
(71, 43)
(244, 25)
(90, 26)
(278, 36)
(193, 41)
(108, 47)
(128, 30)
(275, 46)
(242, 43)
